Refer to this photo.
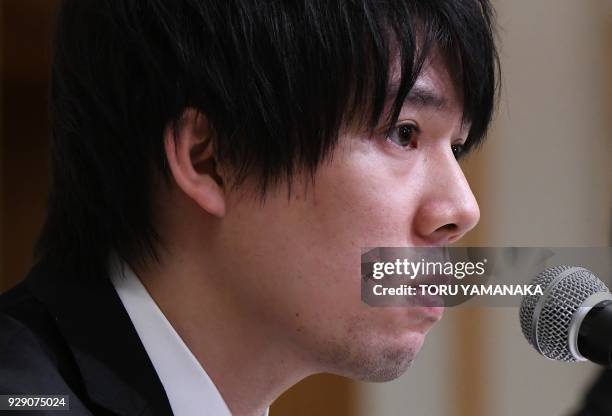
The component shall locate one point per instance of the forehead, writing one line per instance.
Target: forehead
(436, 88)
(436, 91)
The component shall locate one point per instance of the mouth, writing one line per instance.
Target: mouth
(424, 297)
(434, 313)
(430, 306)
(423, 318)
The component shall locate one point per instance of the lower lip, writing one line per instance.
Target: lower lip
(431, 311)
(430, 305)
(423, 318)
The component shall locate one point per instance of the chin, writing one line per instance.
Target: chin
(383, 359)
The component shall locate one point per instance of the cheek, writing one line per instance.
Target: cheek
(301, 256)
(365, 200)
(360, 201)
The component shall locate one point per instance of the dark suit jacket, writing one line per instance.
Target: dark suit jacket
(71, 335)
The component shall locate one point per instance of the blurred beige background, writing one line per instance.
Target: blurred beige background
(543, 178)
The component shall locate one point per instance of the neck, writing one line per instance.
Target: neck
(247, 360)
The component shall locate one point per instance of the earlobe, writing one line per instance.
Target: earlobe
(191, 159)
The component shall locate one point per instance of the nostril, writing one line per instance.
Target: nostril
(448, 228)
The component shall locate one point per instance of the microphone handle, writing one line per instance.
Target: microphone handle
(595, 334)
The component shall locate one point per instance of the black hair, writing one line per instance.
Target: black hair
(276, 80)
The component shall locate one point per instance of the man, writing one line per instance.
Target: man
(217, 168)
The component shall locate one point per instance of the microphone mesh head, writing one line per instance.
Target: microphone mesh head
(545, 319)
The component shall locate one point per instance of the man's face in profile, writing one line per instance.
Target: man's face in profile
(293, 263)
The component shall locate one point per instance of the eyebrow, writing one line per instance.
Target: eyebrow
(423, 97)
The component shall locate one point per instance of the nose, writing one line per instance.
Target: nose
(448, 208)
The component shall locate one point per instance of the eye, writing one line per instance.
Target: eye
(459, 150)
(403, 135)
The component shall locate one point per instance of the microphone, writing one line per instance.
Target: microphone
(572, 319)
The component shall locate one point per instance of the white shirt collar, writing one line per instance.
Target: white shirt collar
(189, 389)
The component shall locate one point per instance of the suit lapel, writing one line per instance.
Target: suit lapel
(115, 367)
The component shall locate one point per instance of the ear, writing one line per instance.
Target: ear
(189, 152)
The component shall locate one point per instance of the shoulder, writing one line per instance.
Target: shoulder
(33, 359)
(26, 368)
(21, 355)
(32, 355)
